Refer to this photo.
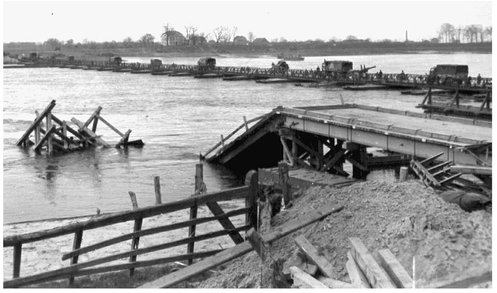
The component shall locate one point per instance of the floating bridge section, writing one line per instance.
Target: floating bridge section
(324, 137)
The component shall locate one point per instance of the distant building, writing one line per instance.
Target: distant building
(240, 41)
(174, 38)
(260, 42)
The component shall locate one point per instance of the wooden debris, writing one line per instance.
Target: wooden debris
(468, 279)
(304, 280)
(376, 276)
(256, 241)
(240, 249)
(336, 284)
(355, 274)
(298, 259)
(394, 269)
(314, 256)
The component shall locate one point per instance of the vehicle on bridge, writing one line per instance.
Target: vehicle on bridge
(206, 63)
(281, 66)
(447, 74)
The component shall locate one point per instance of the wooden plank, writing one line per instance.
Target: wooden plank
(394, 269)
(431, 159)
(93, 116)
(90, 133)
(284, 182)
(110, 126)
(303, 280)
(314, 256)
(355, 274)
(78, 238)
(71, 271)
(376, 276)
(44, 139)
(36, 122)
(124, 139)
(335, 284)
(105, 220)
(467, 279)
(240, 249)
(150, 231)
(225, 222)
(471, 169)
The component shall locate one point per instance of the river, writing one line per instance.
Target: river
(176, 117)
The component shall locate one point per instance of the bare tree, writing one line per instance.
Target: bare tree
(251, 37)
(191, 34)
(488, 32)
(447, 33)
(218, 33)
(168, 31)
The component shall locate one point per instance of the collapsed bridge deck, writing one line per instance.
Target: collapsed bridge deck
(323, 137)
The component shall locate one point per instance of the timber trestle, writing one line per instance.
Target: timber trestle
(53, 136)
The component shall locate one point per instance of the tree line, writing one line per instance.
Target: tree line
(447, 33)
(473, 33)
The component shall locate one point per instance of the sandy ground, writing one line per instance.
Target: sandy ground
(407, 218)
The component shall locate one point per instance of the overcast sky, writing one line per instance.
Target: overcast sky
(36, 21)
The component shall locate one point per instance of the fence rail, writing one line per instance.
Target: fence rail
(247, 193)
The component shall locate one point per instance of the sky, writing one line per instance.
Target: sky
(37, 21)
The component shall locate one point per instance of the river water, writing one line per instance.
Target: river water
(176, 117)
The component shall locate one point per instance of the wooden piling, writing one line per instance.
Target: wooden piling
(403, 174)
(284, 182)
(37, 129)
(158, 196)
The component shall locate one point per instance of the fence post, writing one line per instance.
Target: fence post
(283, 180)
(17, 259)
(78, 237)
(158, 196)
(199, 188)
(137, 227)
(252, 181)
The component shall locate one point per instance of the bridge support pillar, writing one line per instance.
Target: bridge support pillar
(358, 157)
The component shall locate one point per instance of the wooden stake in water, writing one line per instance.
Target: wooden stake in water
(199, 183)
(158, 197)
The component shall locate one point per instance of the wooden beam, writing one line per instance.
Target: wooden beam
(335, 284)
(252, 181)
(465, 169)
(302, 279)
(314, 256)
(110, 126)
(35, 123)
(17, 260)
(376, 276)
(90, 133)
(469, 278)
(225, 222)
(355, 274)
(93, 116)
(78, 238)
(240, 249)
(394, 269)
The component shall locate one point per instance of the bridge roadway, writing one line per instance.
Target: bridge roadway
(415, 134)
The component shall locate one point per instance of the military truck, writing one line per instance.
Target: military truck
(280, 66)
(448, 73)
(336, 66)
(206, 64)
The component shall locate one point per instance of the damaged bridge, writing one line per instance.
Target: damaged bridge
(324, 137)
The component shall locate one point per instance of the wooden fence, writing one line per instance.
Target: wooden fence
(211, 200)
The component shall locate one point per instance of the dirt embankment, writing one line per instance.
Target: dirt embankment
(409, 219)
